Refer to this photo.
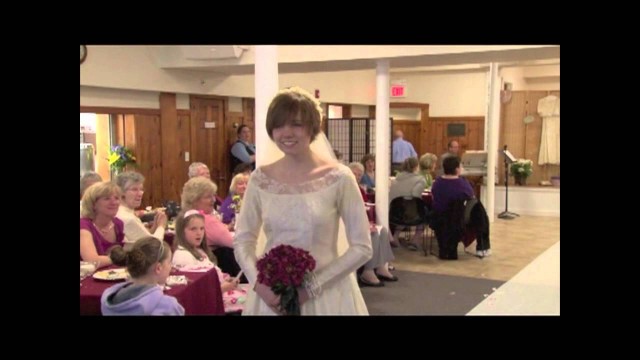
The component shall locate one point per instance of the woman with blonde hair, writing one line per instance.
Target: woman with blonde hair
(232, 204)
(199, 194)
(428, 163)
(100, 229)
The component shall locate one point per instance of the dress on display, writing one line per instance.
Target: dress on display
(307, 216)
(549, 110)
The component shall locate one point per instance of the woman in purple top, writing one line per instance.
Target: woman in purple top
(450, 186)
(446, 189)
(99, 227)
(238, 187)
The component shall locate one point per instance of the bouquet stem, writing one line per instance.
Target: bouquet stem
(289, 300)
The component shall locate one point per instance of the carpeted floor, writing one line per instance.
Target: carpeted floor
(427, 294)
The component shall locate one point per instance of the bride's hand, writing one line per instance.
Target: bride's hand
(271, 299)
(303, 295)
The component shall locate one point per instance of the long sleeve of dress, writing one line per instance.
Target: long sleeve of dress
(248, 226)
(351, 209)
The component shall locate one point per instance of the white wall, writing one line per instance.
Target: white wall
(537, 201)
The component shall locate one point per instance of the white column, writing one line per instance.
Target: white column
(266, 87)
(493, 133)
(383, 142)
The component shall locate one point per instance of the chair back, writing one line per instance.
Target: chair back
(408, 211)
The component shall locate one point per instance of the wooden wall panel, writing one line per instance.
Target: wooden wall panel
(103, 146)
(523, 140)
(148, 150)
(175, 131)
(208, 145)
(438, 139)
(411, 130)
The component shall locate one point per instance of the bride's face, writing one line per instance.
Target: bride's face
(292, 139)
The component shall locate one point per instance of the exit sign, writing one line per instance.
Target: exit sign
(398, 90)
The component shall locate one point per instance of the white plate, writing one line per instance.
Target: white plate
(112, 275)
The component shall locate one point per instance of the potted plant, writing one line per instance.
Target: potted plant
(120, 157)
(520, 170)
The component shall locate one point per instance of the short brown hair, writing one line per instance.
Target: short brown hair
(294, 107)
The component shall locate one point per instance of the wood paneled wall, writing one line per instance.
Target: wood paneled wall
(523, 140)
(160, 138)
(142, 133)
(411, 131)
(175, 140)
(437, 138)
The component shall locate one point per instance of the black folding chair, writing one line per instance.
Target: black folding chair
(410, 211)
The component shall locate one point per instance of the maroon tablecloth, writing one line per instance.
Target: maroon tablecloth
(201, 296)
(169, 236)
(371, 212)
(427, 197)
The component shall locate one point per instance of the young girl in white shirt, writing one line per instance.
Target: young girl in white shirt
(193, 254)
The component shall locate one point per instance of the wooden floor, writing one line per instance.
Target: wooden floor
(514, 245)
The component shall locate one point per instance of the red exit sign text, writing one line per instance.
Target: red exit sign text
(398, 91)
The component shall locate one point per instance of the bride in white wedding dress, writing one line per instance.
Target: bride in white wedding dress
(300, 200)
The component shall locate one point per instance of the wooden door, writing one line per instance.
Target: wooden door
(208, 138)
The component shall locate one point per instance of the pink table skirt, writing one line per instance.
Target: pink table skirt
(201, 296)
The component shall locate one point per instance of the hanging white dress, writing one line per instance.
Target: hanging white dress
(307, 216)
(549, 110)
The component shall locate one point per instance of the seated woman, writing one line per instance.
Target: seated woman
(229, 205)
(100, 229)
(131, 184)
(368, 179)
(199, 194)
(408, 184)
(377, 268)
(149, 264)
(428, 163)
(193, 253)
(446, 189)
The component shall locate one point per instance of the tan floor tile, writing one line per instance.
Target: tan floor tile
(514, 244)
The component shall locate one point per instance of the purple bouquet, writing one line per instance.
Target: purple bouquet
(283, 269)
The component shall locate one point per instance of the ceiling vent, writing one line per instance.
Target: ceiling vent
(212, 52)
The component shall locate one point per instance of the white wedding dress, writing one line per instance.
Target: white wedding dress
(307, 216)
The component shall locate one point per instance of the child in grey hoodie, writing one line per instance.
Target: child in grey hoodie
(149, 264)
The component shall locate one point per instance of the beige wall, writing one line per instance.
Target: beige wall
(360, 111)
(532, 77)
(95, 96)
(456, 94)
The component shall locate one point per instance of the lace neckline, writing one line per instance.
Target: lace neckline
(272, 185)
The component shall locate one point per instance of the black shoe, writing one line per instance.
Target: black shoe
(364, 282)
(384, 278)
